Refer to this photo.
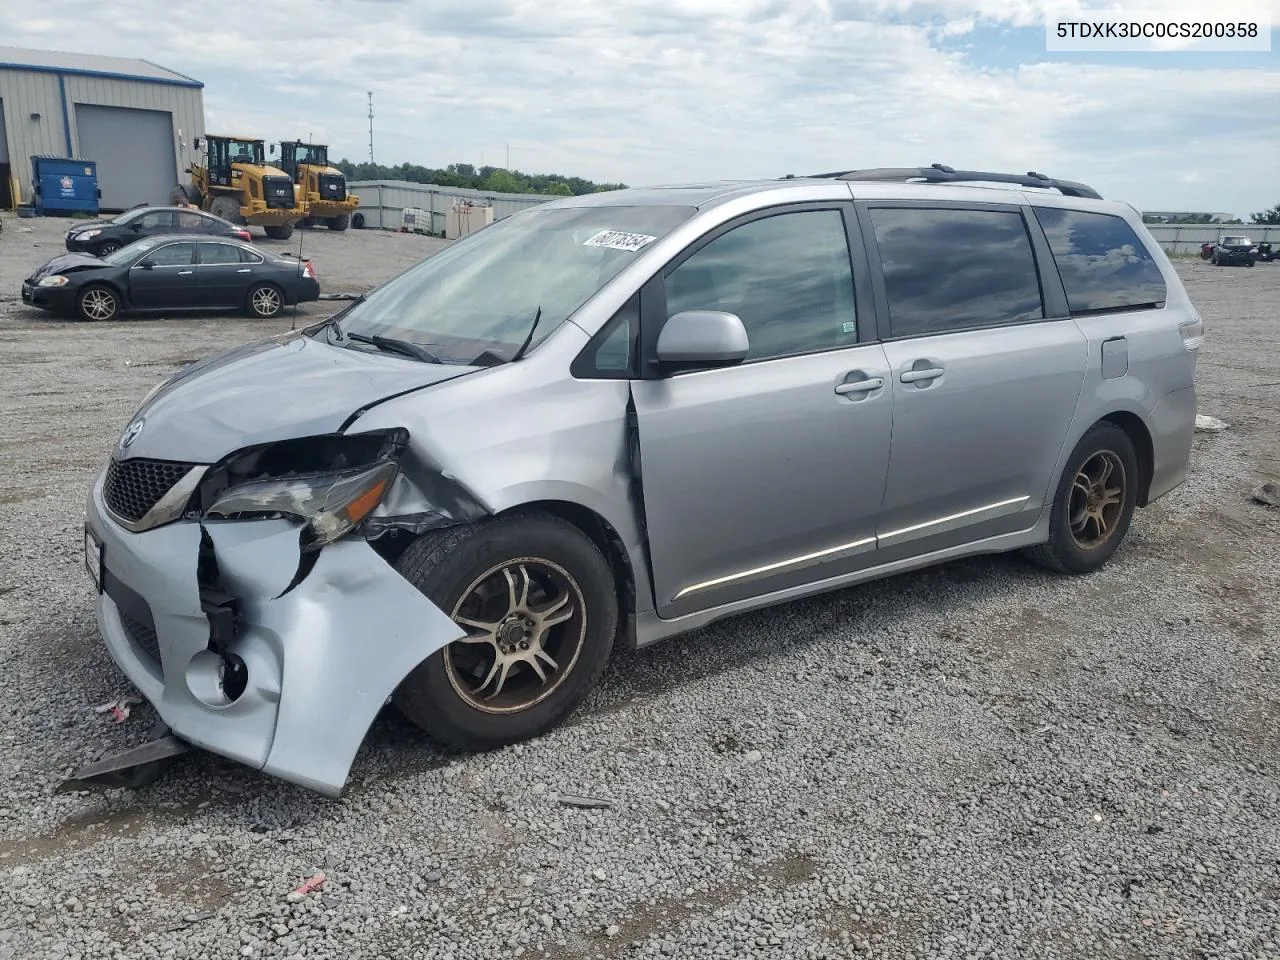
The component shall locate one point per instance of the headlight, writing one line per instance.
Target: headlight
(57, 280)
(332, 504)
(88, 234)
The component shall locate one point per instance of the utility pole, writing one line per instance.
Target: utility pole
(508, 157)
(371, 127)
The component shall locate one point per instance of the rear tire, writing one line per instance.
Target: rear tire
(227, 209)
(339, 222)
(357, 221)
(265, 301)
(98, 304)
(280, 231)
(548, 596)
(1094, 503)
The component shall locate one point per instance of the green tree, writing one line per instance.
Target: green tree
(1269, 217)
(559, 189)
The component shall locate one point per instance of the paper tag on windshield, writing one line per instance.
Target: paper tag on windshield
(618, 240)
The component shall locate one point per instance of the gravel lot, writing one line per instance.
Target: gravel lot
(981, 760)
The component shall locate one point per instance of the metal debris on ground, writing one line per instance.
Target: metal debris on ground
(1267, 493)
(119, 709)
(586, 803)
(1209, 424)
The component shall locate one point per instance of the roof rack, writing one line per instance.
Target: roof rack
(938, 173)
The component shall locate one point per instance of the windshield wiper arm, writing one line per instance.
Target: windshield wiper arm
(333, 321)
(529, 339)
(392, 345)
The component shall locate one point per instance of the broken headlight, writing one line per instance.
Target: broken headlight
(332, 504)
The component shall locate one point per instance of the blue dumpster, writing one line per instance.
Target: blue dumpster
(65, 185)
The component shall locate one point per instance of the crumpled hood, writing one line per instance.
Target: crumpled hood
(275, 389)
(69, 262)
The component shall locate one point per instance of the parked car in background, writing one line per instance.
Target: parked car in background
(171, 273)
(107, 236)
(614, 418)
(1267, 251)
(1234, 250)
(1206, 250)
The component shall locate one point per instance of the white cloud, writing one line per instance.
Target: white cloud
(659, 90)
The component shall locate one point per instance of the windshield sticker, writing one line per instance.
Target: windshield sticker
(618, 240)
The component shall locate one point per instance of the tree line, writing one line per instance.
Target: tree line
(1265, 218)
(495, 179)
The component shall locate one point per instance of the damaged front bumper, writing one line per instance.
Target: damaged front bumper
(282, 676)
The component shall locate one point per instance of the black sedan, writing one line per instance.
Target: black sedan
(1231, 250)
(107, 236)
(171, 273)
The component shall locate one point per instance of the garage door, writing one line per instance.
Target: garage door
(134, 151)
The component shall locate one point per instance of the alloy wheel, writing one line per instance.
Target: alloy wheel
(1097, 500)
(99, 304)
(526, 625)
(266, 302)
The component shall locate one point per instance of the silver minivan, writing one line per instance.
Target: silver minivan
(612, 418)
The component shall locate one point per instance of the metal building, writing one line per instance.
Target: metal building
(136, 119)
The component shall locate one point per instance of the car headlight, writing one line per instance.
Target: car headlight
(87, 235)
(331, 504)
(57, 280)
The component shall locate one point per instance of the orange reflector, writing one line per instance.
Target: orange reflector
(361, 506)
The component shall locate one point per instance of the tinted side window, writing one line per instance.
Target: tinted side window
(955, 269)
(248, 256)
(172, 255)
(788, 277)
(1103, 263)
(159, 220)
(211, 253)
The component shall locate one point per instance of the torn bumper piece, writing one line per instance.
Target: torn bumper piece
(313, 665)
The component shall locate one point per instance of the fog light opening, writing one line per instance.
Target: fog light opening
(234, 677)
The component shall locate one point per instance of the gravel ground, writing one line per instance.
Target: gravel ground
(980, 760)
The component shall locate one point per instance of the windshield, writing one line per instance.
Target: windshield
(1235, 241)
(313, 154)
(130, 253)
(483, 292)
(245, 151)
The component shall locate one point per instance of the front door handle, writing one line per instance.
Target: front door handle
(860, 386)
(916, 376)
(244, 270)
(184, 273)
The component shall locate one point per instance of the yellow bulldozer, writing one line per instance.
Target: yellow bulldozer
(323, 188)
(236, 183)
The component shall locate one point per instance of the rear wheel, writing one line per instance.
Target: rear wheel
(227, 209)
(265, 301)
(98, 304)
(538, 603)
(357, 221)
(1094, 503)
(339, 222)
(281, 231)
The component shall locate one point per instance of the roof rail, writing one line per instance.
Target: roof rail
(938, 173)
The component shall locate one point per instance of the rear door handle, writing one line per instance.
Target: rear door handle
(860, 386)
(915, 376)
(183, 273)
(244, 270)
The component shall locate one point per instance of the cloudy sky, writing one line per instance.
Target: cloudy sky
(652, 91)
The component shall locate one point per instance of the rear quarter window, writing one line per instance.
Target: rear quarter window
(1103, 263)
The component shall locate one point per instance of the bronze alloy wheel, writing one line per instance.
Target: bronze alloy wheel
(526, 626)
(1097, 500)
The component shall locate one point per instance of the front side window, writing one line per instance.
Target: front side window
(955, 269)
(1103, 263)
(213, 253)
(787, 277)
(483, 292)
(157, 220)
(172, 255)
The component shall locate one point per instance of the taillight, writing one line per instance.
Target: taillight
(307, 271)
(1192, 333)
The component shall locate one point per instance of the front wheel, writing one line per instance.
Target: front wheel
(98, 304)
(107, 247)
(537, 600)
(339, 222)
(1094, 503)
(280, 231)
(265, 301)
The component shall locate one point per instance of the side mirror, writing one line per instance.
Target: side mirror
(697, 339)
(135, 225)
(273, 149)
(146, 265)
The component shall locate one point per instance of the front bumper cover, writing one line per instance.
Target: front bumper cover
(319, 660)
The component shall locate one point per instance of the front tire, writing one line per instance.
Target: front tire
(265, 301)
(279, 231)
(108, 247)
(227, 209)
(1094, 503)
(339, 222)
(98, 304)
(538, 602)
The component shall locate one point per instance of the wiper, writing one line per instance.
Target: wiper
(529, 339)
(333, 321)
(392, 345)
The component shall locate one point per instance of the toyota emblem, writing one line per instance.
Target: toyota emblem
(131, 433)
